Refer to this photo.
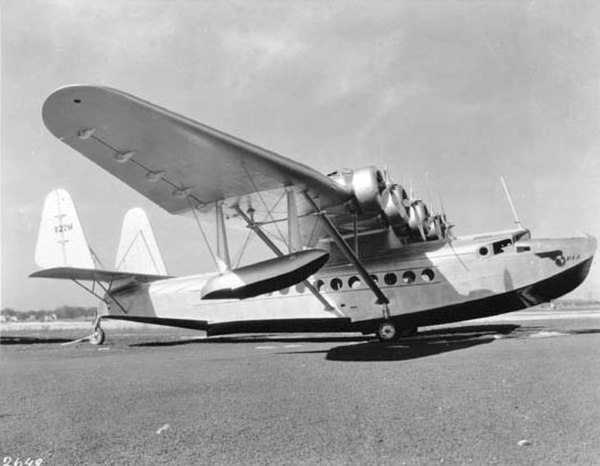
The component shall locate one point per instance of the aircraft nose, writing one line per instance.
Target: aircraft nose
(587, 246)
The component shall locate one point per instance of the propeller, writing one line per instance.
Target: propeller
(417, 215)
(446, 225)
(402, 209)
(392, 200)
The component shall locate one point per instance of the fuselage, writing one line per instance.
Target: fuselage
(427, 283)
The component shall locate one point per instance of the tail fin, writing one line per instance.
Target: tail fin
(61, 242)
(138, 252)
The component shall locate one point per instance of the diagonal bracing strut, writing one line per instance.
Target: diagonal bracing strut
(349, 253)
(261, 234)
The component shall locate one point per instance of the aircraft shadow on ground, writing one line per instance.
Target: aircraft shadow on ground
(452, 333)
(257, 339)
(427, 343)
(25, 340)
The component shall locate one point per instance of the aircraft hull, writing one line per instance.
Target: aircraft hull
(543, 291)
(464, 286)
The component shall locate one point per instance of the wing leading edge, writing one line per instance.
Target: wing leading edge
(172, 160)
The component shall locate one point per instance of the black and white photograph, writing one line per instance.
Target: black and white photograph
(300, 233)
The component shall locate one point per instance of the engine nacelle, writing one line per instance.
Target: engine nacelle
(376, 195)
(368, 185)
(395, 202)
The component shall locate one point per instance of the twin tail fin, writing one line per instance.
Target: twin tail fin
(62, 250)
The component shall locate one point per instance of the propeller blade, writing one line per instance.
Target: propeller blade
(422, 231)
(437, 223)
(415, 214)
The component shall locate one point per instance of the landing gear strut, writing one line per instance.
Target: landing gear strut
(97, 335)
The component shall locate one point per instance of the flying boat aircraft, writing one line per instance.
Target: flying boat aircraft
(352, 250)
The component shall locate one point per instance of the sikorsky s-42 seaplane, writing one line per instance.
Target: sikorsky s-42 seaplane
(353, 251)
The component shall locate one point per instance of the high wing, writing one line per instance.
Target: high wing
(176, 162)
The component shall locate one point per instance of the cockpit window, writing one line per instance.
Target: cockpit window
(501, 246)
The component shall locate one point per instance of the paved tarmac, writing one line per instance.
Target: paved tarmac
(483, 392)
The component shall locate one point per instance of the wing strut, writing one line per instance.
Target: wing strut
(349, 253)
(294, 243)
(223, 260)
(107, 291)
(262, 235)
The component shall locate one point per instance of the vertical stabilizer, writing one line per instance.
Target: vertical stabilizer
(138, 251)
(61, 242)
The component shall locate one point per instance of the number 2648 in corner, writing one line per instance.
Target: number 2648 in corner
(9, 461)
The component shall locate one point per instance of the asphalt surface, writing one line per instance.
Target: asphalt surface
(492, 392)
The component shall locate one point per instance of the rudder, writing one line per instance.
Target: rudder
(61, 241)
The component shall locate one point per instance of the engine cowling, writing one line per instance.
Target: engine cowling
(395, 201)
(368, 185)
(376, 195)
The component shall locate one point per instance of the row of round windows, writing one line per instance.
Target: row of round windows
(354, 282)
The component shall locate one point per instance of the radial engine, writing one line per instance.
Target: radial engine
(376, 194)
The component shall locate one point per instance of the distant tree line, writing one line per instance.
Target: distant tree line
(60, 313)
(571, 303)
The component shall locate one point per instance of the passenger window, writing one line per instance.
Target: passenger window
(284, 291)
(483, 251)
(427, 275)
(390, 279)
(300, 287)
(319, 284)
(374, 278)
(408, 277)
(336, 284)
(354, 282)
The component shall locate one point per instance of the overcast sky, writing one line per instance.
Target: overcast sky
(448, 94)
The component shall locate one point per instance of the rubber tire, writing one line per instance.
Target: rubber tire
(387, 332)
(97, 337)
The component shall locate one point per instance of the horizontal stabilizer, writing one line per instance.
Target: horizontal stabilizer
(265, 277)
(74, 273)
